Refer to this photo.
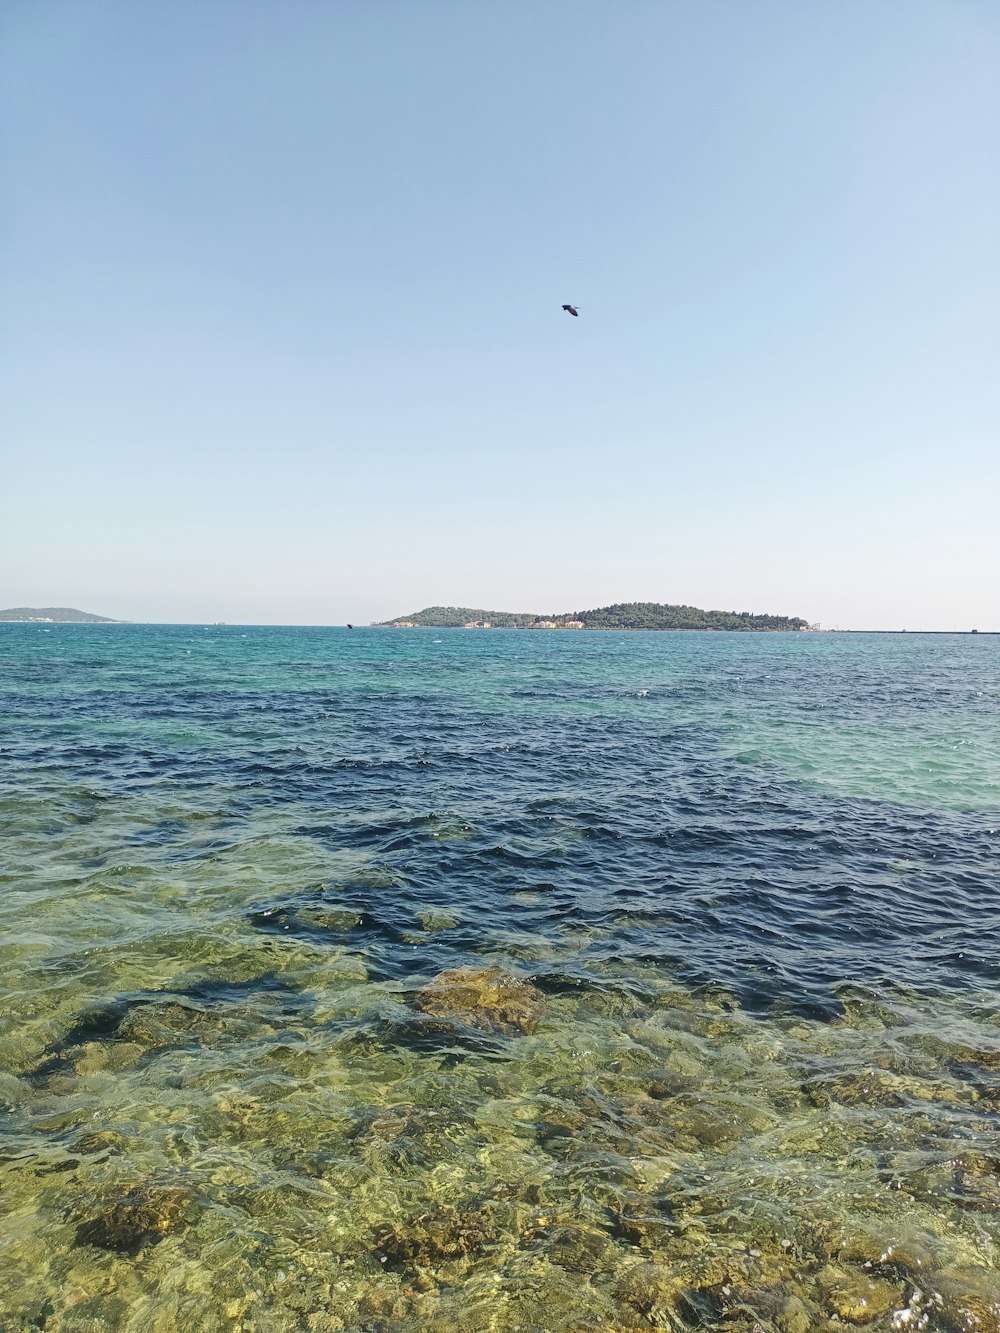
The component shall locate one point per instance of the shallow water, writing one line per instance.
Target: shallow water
(744, 887)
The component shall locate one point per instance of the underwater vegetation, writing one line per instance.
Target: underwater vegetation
(625, 1154)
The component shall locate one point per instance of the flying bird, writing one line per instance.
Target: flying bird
(571, 310)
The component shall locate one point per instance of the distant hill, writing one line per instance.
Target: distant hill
(621, 616)
(66, 614)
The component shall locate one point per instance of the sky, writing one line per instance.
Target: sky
(280, 328)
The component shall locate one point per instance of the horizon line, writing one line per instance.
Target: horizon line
(498, 629)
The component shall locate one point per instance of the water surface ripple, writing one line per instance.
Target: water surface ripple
(493, 981)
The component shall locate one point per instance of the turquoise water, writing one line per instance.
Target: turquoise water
(493, 981)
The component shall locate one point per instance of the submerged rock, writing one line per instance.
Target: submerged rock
(885, 1087)
(433, 1238)
(140, 1217)
(433, 919)
(872, 1087)
(795, 1316)
(107, 1057)
(868, 1010)
(106, 1141)
(386, 1305)
(485, 999)
(576, 1248)
(649, 1223)
(663, 1084)
(744, 1274)
(406, 1136)
(856, 1298)
(172, 1022)
(971, 1180)
(702, 1125)
(667, 1299)
(968, 1301)
(891, 1253)
(653, 1290)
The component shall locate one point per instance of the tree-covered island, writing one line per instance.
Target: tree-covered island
(53, 615)
(621, 616)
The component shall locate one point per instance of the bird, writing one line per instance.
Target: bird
(571, 310)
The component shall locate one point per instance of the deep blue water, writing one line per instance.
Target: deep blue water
(774, 813)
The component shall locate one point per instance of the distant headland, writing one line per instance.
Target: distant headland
(621, 616)
(53, 615)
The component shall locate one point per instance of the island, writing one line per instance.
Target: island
(621, 616)
(53, 615)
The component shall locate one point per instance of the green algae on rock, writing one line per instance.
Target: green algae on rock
(489, 1000)
(435, 919)
(576, 1248)
(666, 1297)
(140, 1216)
(968, 1300)
(433, 1237)
(408, 1137)
(856, 1298)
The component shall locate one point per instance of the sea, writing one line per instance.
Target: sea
(508, 981)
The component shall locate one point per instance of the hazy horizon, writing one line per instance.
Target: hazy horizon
(282, 339)
(382, 622)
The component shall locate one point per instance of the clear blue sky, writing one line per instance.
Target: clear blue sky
(281, 338)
